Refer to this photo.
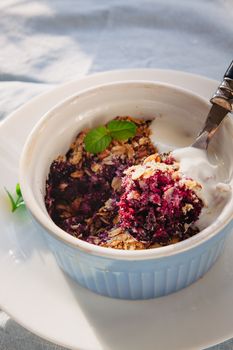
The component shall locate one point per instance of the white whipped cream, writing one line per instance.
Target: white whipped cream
(194, 163)
(167, 136)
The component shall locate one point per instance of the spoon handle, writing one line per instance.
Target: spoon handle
(224, 94)
(229, 71)
(222, 103)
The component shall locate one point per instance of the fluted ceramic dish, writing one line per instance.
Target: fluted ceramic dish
(124, 274)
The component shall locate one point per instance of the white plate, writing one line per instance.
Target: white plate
(36, 293)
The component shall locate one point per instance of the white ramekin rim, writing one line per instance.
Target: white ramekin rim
(49, 226)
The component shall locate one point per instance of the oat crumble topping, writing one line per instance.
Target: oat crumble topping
(120, 198)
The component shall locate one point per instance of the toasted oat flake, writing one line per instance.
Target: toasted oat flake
(116, 183)
(124, 241)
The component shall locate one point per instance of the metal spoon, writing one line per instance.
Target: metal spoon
(222, 102)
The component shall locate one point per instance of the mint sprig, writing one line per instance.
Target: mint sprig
(18, 201)
(98, 139)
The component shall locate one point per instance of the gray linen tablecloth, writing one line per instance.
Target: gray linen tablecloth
(44, 43)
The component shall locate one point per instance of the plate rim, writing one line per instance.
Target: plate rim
(53, 90)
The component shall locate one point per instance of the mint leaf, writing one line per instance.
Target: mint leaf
(18, 190)
(121, 129)
(18, 202)
(97, 140)
(13, 205)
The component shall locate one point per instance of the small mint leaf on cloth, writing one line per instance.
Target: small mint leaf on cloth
(97, 140)
(18, 202)
(121, 129)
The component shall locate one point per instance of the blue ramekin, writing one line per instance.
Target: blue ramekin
(121, 274)
(143, 279)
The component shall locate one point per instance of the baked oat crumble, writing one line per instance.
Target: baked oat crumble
(109, 199)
